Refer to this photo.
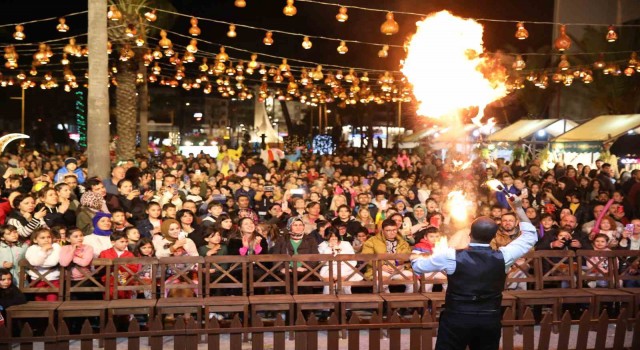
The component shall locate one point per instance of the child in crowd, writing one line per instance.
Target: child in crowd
(60, 235)
(194, 194)
(44, 255)
(361, 236)
(10, 294)
(426, 242)
(169, 211)
(214, 245)
(144, 249)
(133, 235)
(608, 228)
(119, 219)
(76, 254)
(151, 225)
(119, 244)
(599, 265)
(11, 250)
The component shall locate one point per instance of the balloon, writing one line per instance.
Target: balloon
(4, 140)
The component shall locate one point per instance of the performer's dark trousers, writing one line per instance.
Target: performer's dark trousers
(459, 330)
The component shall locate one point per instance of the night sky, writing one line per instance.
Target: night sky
(312, 19)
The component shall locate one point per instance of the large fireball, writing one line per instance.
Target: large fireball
(445, 67)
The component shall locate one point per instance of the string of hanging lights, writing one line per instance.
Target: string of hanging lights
(57, 18)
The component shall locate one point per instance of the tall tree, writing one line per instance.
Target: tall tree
(98, 98)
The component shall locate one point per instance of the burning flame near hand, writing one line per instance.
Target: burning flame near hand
(495, 185)
(441, 245)
(445, 67)
(458, 206)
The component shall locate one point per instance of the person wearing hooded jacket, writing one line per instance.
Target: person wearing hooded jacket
(100, 239)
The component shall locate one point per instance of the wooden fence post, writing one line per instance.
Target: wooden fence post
(528, 342)
(192, 339)
(5, 334)
(635, 342)
(621, 329)
(601, 330)
(312, 333)
(565, 331)
(333, 335)
(86, 344)
(278, 334)
(257, 338)
(394, 333)
(414, 332)
(300, 336)
(155, 341)
(50, 334)
(375, 333)
(179, 337)
(235, 337)
(545, 332)
(133, 343)
(507, 330)
(354, 334)
(110, 341)
(426, 333)
(213, 339)
(584, 325)
(63, 331)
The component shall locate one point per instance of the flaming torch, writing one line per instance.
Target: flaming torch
(448, 72)
(458, 206)
(495, 185)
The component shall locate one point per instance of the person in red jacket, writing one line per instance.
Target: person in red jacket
(119, 249)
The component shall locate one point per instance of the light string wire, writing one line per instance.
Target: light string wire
(43, 19)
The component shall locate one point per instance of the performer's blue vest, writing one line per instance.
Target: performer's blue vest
(476, 285)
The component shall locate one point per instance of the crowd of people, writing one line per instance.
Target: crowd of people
(52, 213)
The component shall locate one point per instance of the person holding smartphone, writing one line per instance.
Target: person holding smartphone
(630, 240)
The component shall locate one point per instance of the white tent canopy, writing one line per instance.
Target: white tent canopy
(602, 128)
(525, 128)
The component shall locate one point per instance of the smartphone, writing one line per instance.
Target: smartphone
(198, 172)
(629, 227)
(269, 188)
(182, 235)
(365, 181)
(298, 191)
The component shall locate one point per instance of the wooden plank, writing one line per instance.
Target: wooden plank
(155, 341)
(50, 333)
(191, 339)
(86, 344)
(635, 342)
(528, 342)
(179, 338)
(601, 330)
(583, 331)
(63, 331)
(621, 329)
(395, 339)
(278, 334)
(564, 331)
(507, 330)
(354, 334)
(427, 332)
(414, 332)
(110, 342)
(257, 338)
(235, 338)
(300, 336)
(133, 343)
(333, 336)
(27, 332)
(545, 332)
(213, 339)
(312, 334)
(374, 333)
(4, 338)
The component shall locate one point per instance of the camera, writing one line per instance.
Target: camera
(268, 188)
(567, 242)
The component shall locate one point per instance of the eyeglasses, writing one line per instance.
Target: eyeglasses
(391, 230)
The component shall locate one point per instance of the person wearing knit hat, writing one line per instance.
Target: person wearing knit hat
(91, 203)
(70, 167)
(101, 230)
(172, 241)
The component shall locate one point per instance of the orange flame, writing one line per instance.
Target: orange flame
(458, 206)
(445, 67)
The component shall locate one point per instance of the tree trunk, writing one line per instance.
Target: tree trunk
(98, 92)
(287, 118)
(144, 111)
(126, 110)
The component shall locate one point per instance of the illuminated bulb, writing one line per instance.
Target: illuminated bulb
(284, 67)
(633, 61)
(130, 31)
(19, 33)
(157, 53)
(521, 32)
(156, 69)
(342, 15)
(33, 72)
(342, 49)
(169, 51)
(306, 43)
(384, 52)
(164, 41)
(290, 10)
(108, 47)
(139, 41)
(188, 57)
(193, 46)
(600, 63)
(62, 27)
(64, 61)
(268, 39)
(564, 63)
(390, 26)
(562, 42)
(151, 16)
(611, 34)
(204, 67)
(519, 63)
(232, 31)
(629, 71)
(114, 14)
(222, 56)
(194, 30)
(253, 64)
(240, 3)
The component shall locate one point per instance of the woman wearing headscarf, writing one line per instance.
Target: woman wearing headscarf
(99, 239)
(171, 242)
(90, 204)
(414, 222)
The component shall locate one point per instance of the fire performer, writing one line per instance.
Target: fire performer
(476, 276)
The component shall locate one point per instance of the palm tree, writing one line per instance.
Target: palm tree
(98, 99)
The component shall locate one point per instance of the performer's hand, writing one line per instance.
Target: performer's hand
(415, 256)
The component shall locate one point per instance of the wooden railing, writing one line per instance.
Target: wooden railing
(310, 335)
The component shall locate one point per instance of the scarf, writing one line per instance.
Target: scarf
(96, 231)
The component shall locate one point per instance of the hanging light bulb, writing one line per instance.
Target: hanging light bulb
(126, 53)
(222, 56)
(114, 14)
(629, 71)
(19, 33)
(253, 64)
(64, 61)
(193, 46)
(204, 66)
(232, 31)
(156, 69)
(342, 49)
(563, 41)
(317, 74)
(139, 41)
(108, 47)
(188, 57)
(384, 52)
(62, 27)
(342, 14)
(164, 41)
(33, 72)
(290, 9)
(519, 63)
(131, 31)
(306, 43)
(157, 53)
(147, 58)
(600, 63)
(390, 26)
(521, 32)
(151, 15)
(240, 3)
(564, 63)
(633, 61)
(268, 39)
(194, 30)
(168, 52)
(611, 34)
